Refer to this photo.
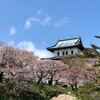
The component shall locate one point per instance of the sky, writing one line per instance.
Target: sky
(35, 25)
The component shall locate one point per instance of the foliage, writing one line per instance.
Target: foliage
(91, 90)
(19, 67)
(15, 67)
(88, 52)
(42, 92)
(3, 92)
(88, 92)
(47, 70)
(75, 68)
(45, 92)
(97, 63)
(50, 91)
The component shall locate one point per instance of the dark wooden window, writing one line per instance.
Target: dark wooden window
(63, 53)
(57, 53)
(71, 51)
(66, 52)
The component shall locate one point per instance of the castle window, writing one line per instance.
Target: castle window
(71, 51)
(63, 53)
(66, 52)
(57, 53)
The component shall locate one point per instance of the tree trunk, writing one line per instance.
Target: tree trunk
(51, 81)
(1, 77)
(74, 87)
(38, 82)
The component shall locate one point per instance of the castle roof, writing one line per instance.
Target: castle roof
(67, 43)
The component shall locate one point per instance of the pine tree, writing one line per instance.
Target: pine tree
(96, 51)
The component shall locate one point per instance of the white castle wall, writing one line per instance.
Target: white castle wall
(75, 51)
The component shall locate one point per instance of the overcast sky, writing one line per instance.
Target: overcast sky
(37, 24)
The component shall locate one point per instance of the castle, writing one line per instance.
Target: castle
(67, 47)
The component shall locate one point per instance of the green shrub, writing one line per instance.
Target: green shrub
(88, 92)
(49, 91)
(41, 92)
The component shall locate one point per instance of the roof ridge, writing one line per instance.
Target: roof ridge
(68, 39)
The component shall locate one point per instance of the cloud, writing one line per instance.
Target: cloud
(12, 31)
(61, 22)
(40, 19)
(43, 20)
(29, 22)
(28, 45)
(46, 20)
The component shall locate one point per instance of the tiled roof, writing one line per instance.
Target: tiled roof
(67, 43)
(64, 43)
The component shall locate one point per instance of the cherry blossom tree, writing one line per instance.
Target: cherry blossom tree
(73, 71)
(77, 69)
(54, 70)
(40, 71)
(47, 70)
(16, 65)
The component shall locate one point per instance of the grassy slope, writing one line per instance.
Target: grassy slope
(46, 92)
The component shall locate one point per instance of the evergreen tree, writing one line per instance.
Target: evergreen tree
(96, 51)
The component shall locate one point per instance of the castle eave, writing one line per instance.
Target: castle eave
(66, 47)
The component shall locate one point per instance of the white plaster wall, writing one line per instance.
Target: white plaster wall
(75, 51)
